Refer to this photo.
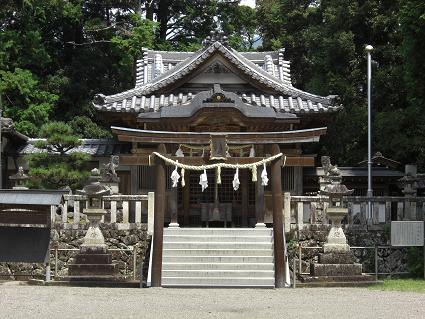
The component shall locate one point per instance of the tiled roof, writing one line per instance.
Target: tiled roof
(153, 103)
(154, 63)
(94, 147)
(168, 68)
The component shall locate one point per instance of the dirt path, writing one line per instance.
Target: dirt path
(67, 302)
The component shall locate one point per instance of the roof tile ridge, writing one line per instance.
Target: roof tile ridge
(144, 89)
(286, 87)
(163, 51)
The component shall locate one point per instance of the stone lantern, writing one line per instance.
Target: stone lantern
(336, 240)
(337, 262)
(94, 240)
(19, 179)
(93, 261)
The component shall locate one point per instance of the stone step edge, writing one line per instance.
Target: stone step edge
(217, 256)
(218, 278)
(233, 264)
(218, 270)
(215, 236)
(217, 286)
(209, 249)
(219, 242)
(218, 228)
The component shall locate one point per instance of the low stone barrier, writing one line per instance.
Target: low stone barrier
(120, 241)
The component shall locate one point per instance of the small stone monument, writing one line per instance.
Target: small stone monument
(409, 185)
(109, 176)
(93, 262)
(19, 179)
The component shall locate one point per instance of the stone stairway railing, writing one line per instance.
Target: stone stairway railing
(114, 204)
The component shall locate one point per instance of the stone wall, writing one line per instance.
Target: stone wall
(135, 236)
(390, 260)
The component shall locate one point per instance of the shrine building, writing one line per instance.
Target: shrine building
(219, 136)
(243, 103)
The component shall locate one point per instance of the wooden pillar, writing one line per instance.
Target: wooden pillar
(259, 199)
(279, 260)
(159, 219)
(173, 208)
(186, 199)
(134, 180)
(244, 197)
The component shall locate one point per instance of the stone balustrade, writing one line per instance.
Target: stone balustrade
(121, 209)
(300, 210)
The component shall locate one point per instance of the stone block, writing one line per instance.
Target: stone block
(336, 248)
(335, 269)
(93, 259)
(88, 249)
(337, 258)
(92, 270)
(362, 278)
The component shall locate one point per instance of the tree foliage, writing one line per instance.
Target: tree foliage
(55, 55)
(325, 41)
(58, 164)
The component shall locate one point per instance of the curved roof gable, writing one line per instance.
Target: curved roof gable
(192, 63)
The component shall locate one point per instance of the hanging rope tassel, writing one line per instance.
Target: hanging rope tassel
(264, 178)
(219, 175)
(183, 182)
(252, 151)
(254, 173)
(175, 176)
(203, 180)
(236, 181)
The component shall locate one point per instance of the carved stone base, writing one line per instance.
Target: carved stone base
(336, 248)
(337, 258)
(336, 269)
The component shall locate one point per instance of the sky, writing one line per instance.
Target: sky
(249, 3)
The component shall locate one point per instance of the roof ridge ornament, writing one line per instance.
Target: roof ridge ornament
(216, 35)
(217, 95)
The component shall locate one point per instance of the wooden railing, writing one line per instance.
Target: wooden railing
(112, 204)
(300, 210)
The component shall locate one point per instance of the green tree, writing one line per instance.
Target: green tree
(325, 42)
(56, 55)
(58, 164)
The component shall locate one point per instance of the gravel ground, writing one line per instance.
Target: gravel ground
(18, 301)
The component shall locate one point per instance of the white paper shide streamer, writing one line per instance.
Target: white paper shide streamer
(264, 178)
(236, 181)
(175, 176)
(203, 180)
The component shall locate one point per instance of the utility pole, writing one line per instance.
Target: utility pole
(369, 49)
(1, 144)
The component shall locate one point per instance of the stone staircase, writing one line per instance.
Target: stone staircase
(218, 257)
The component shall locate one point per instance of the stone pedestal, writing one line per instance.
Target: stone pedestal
(337, 263)
(336, 241)
(93, 262)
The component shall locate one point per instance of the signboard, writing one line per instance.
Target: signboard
(407, 233)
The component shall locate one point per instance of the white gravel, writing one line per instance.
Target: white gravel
(17, 301)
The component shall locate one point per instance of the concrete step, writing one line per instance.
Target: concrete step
(217, 266)
(263, 282)
(218, 259)
(217, 252)
(216, 238)
(219, 231)
(218, 273)
(217, 245)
